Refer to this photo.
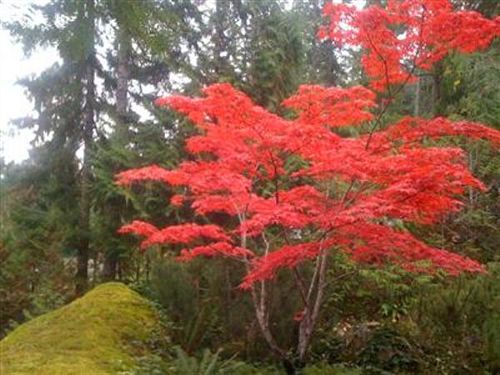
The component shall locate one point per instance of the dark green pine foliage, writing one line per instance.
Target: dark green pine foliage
(276, 53)
(149, 44)
(115, 58)
(37, 225)
(322, 65)
(254, 44)
(468, 89)
(65, 102)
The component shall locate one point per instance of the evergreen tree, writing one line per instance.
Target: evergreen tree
(65, 101)
(256, 45)
(322, 66)
(83, 102)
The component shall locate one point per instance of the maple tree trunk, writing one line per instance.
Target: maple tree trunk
(260, 302)
(311, 311)
(309, 319)
(262, 315)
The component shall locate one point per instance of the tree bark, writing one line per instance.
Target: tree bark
(219, 38)
(81, 277)
(416, 108)
(437, 76)
(312, 307)
(122, 83)
(111, 256)
(110, 266)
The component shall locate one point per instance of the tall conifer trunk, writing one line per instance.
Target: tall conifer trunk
(122, 76)
(111, 256)
(219, 38)
(88, 125)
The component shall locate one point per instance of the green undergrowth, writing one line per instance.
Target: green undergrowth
(101, 333)
(114, 330)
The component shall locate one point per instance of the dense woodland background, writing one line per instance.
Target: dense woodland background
(94, 117)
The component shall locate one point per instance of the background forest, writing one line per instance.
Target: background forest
(93, 116)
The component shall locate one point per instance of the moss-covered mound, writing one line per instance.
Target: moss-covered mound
(100, 333)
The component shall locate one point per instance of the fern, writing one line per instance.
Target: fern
(209, 364)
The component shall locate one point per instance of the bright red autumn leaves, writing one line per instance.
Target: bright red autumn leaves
(321, 190)
(310, 190)
(406, 35)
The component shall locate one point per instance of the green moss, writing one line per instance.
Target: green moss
(325, 369)
(100, 333)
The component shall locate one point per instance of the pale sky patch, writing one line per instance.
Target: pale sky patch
(14, 65)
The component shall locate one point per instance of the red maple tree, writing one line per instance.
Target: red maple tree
(297, 190)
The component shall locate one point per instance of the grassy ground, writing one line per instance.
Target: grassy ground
(100, 333)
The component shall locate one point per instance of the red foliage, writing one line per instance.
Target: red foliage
(215, 249)
(375, 243)
(138, 227)
(152, 172)
(332, 106)
(247, 177)
(287, 256)
(321, 190)
(184, 234)
(405, 35)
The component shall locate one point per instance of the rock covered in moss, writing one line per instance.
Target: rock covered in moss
(100, 333)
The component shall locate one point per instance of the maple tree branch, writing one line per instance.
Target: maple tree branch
(391, 98)
(313, 279)
(401, 86)
(310, 316)
(263, 282)
(340, 277)
(259, 301)
(300, 285)
(378, 119)
(362, 189)
(273, 163)
(297, 277)
(321, 287)
(344, 196)
(384, 61)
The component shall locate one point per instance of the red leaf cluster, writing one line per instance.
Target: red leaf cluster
(405, 35)
(215, 249)
(174, 234)
(332, 106)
